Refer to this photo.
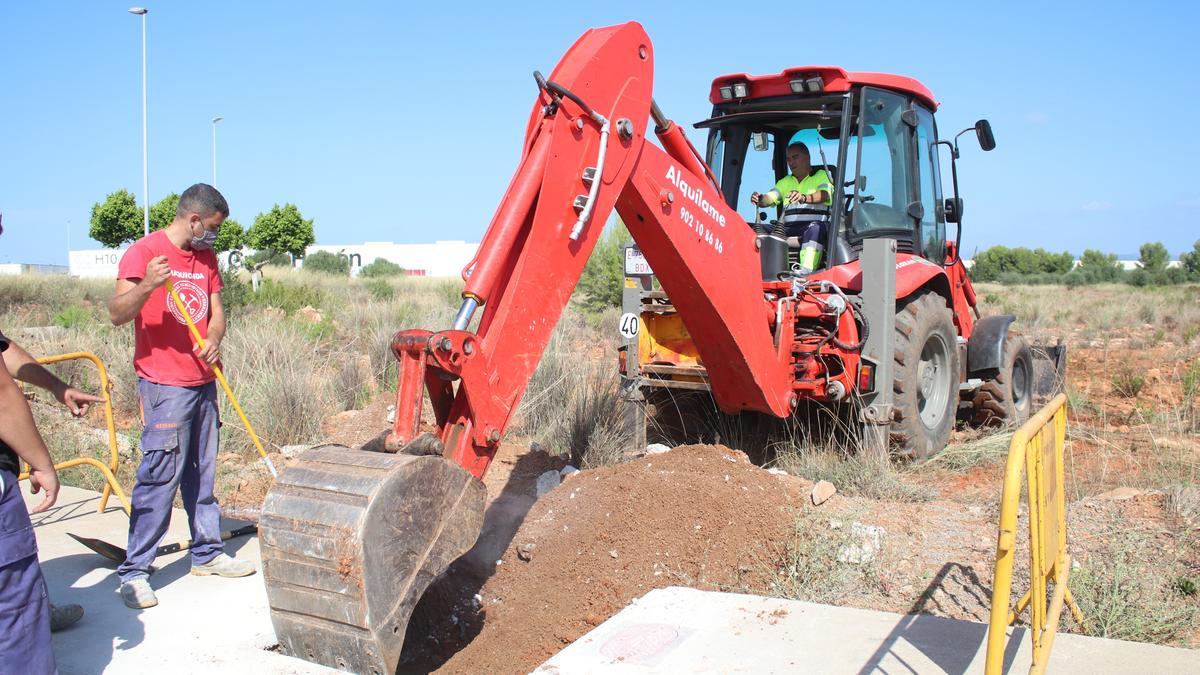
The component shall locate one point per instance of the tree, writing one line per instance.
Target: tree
(1153, 257)
(381, 267)
(602, 278)
(1191, 262)
(163, 212)
(282, 230)
(1097, 266)
(230, 237)
(116, 220)
(997, 261)
(324, 261)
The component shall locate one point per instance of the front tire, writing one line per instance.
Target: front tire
(1006, 396)
(926, 377)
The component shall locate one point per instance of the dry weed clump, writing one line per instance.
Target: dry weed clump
(812, 563)
(1123, 599)
(573, 403)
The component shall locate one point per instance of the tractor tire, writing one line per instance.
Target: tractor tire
(1006, 396)
(926, 377)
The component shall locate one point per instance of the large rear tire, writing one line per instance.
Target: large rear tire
(926, 377)
(1006, 396)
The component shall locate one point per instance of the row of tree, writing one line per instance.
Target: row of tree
(1022, 265)
(118, 220)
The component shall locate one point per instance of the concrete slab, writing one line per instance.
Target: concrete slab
(683, 630)
(201, 624)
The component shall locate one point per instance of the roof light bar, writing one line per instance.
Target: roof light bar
(741, 90)
(726, 92)
(797, 86)
(814, 84)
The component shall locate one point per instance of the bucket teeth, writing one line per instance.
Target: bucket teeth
(351, 539)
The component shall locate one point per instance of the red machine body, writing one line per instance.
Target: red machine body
(702, 251)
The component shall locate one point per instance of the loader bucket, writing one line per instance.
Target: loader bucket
(351, 539)
(1049, 371)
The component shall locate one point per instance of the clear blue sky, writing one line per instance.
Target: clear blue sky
(389, 121)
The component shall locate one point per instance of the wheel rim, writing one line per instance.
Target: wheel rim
(1020, 385)
(933, 378)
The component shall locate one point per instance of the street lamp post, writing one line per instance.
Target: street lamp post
(214, 129)
(145, 172)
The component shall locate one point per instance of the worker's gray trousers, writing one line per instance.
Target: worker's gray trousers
(179, 451)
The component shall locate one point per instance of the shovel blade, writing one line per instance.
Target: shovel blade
(113, 553)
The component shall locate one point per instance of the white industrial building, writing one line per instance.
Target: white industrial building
(439, 259)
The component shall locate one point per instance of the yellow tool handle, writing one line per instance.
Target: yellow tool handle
(220, 377)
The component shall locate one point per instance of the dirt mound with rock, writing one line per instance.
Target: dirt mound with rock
(700, 516)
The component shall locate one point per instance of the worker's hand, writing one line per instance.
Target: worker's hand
(211, 352)
(794, 197)
(44, 479)
(157, 272)
(755, 198)
(77, 401)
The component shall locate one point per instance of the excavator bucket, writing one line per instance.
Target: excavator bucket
(351, 539)
(1049, 371)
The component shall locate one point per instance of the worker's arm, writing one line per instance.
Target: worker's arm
(18, 431)
(22, 366)
(131, 294)
(216, 331)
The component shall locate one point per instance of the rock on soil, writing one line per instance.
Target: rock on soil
(822, 491)
(700, 516)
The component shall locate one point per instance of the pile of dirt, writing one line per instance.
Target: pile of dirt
(700, 516)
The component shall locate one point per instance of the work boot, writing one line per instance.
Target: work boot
(62, 616)
(224, 566)
(137, 593)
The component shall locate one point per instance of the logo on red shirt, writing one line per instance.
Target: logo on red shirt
(193, 297)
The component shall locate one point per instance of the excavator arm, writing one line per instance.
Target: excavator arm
(586, 153)
(351, 539)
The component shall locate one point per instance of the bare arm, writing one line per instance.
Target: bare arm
(19, 432)
(131, 294)
(22, 366)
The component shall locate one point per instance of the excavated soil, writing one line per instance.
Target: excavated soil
(700, 516)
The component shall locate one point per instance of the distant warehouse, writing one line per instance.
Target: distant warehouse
(439, 259)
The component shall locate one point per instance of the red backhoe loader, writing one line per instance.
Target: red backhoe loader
(351, 538)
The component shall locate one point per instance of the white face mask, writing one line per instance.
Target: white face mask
(204, 241)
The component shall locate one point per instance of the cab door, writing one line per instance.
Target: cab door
(932, 226)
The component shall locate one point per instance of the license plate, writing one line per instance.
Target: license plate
(635, 264)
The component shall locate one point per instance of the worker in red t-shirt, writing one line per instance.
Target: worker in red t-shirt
(176, 388)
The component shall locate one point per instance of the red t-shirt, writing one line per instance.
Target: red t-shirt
(164, 350)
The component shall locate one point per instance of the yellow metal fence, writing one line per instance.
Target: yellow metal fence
(1036, 451)
(109, 471)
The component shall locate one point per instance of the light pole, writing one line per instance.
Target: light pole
(214, 126)
(145, 172)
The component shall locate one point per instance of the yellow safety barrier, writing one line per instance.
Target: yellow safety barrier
(1036, 449)
(111, 485)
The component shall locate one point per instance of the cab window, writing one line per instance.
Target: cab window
(884, 159)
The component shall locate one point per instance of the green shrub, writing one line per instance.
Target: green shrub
(381, 267)
(602, 279)
(324, 261)
(287, 297)
(73, 316)
(236, 293)
(271, 257)
(1128, 383)
(379, 289)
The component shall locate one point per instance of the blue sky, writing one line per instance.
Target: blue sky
(387, 122)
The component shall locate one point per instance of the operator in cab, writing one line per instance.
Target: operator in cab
(806, 195)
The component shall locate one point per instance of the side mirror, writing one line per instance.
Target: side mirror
(983, 129)
(759, 141)
(953, 210)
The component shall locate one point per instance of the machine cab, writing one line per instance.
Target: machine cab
(873, 134)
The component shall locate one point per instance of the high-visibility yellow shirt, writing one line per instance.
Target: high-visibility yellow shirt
(817, 180)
